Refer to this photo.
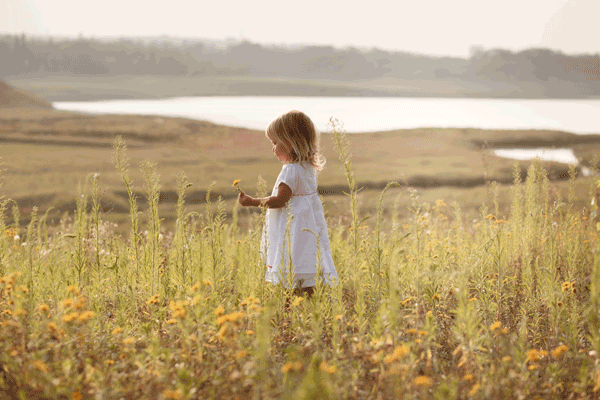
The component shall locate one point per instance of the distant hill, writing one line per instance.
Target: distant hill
(11, 97)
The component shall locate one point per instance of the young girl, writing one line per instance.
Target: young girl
(294, 198)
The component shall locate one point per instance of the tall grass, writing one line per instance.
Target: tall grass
(503, 306)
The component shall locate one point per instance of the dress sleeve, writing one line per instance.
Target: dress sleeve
(289, 176)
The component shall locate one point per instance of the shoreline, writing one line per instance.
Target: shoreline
(59, 88)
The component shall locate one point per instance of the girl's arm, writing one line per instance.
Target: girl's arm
(284, 193)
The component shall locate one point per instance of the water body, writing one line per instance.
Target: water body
(565, 156)
(367, 114)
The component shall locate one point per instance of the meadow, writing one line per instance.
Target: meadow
(436, 298)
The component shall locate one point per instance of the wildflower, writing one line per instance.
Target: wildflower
(76, 395)
(116, 331)
(297, 301)
(85, 316)
(491, 217)
(172, 394)
(153, 299)
(398, 353)
(236, 185)
(79, 303)
(506, 359)
(171, 321)
(52, 327)
(70, 317)
(41, 366)
(73, 290)
(234, 316)
(557, 352)
(249, 332)
(535, 355)
(495, 326)
(219, 310)
(468, 377)
(66, 303)
(129, 340)
(330, 369)
(422, 380)
(206, 282)
(43, 307)
(474, 390)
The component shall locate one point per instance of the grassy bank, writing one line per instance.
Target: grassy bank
(98, 87)
(435, 303)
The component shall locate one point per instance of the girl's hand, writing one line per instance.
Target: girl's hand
(244, 199)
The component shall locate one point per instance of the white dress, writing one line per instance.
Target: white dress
(306, 212)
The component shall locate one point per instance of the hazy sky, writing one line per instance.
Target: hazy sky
(440, 27)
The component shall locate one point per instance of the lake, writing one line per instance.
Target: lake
(367, 114)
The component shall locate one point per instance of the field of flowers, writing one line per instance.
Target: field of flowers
(436, 306)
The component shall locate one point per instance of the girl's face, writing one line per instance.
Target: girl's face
(281, 150)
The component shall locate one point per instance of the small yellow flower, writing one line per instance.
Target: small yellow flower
(422, 380)
(66, 303)
(44, 307)
(84, 316)
(236, 184)
(468, 377)
(506, 359)
(495, 326)
(474, 390)
(76, 395)
(41, 366)
(116, 331)
(73, 290)
(129, 340)
(398, 353)
(70, 317)
(219, 310)
(297, 301)
(172, 394)
(330, 369)
(557, 352)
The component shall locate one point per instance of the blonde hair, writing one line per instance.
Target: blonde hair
(296, 130)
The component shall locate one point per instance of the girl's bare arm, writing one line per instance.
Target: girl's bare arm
(284, 193)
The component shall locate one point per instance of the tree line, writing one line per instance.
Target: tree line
(26, 55)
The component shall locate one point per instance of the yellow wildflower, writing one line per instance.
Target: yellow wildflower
(474, 390)
(85, 316)
(41, 366)
(44, 307)
(495, 326)
(66, 303)
(236, 185)
(76, 395)
(73, 290)
(557, 352)
(219, 310)
(330, 369)
(70, 317)
(297, 301)
(468, 377)
(422, 380)
(172, 394)
(398, 353)
(116, 331)
(129, 340)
